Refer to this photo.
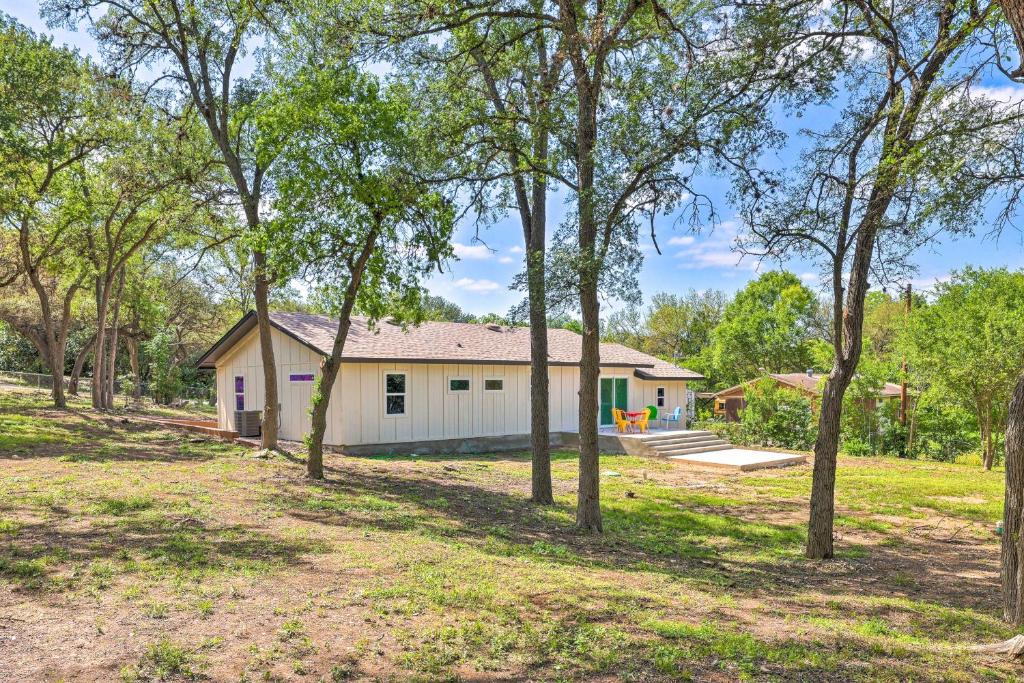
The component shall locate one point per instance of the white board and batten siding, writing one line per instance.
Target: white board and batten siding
(245, 361)
(432, 410)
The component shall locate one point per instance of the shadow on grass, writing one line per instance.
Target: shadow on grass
(29, 431)
(40, 554)
(690, 537)
(692, 540)
(507, 456)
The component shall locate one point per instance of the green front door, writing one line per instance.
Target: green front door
(613, 395)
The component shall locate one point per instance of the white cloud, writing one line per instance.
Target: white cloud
(1005, 94)
(926, 283)
(715, 250)
(472, 252)
(682, 240)
(506, 259)
(809, 277)
(481, 286)
(515, 250)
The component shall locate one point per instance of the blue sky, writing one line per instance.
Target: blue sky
(479, 280)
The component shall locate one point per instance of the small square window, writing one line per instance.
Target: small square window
(395, 384)
(458, 384)
(495, 384)
(396, 405)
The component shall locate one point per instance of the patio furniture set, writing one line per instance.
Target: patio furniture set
(640, 420)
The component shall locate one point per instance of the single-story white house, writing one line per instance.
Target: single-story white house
(434, 387)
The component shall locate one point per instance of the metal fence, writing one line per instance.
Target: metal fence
(34, 379)
(199, 393)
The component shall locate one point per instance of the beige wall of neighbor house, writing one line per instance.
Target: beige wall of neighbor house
(437, 403)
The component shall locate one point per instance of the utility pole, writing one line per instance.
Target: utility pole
(904, 401)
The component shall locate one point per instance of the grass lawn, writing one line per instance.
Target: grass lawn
(130, 552)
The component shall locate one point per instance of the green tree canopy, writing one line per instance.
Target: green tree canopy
(969, 344)
(767, 327)
(353, 213)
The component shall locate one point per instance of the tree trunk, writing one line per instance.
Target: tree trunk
(540, 397)
(1013, 10)
(588, 507)
(536, 274)
(329, 366)
(1013, 511)
(823, 482)
(111, 378)
(99, 366)
(268, 438)
(989, 448)
(910, 431)
(588, 504)
(54, 340)
(533, 217)
(318, 416)
(133, 358)
(55, 362)
(76, 371)
(540, 431)
(849, 332)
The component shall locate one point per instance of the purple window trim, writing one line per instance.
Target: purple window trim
(300, 378)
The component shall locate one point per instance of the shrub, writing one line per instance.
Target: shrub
(856, 446)
(974, 459)
(165, 375)
(730, 431)
(892, 439)
(777, 416)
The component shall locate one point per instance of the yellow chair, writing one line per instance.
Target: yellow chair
(621, 423)
(642, 422)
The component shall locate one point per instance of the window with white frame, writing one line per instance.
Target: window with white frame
(660, 392)
(458, 385)
(494, 384)
(394, 393)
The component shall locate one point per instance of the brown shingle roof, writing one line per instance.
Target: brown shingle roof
(664, 370)
(800, 380)
(811, 383)
(441, 342)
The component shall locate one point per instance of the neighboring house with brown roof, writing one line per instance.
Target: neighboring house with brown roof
(435, 386)
(728, 402)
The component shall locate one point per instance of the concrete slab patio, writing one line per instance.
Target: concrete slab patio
(694, 447)
(742, 459)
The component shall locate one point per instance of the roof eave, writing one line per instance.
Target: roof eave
(236, 329)
(245, 325)
(638, 372)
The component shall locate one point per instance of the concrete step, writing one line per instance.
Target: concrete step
(655, 438)
(682, 441)
(724, 446)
